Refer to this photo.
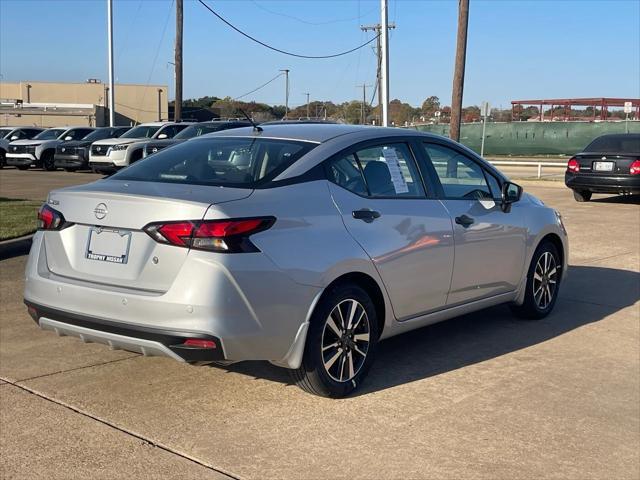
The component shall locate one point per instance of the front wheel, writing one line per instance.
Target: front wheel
(341, 343)
(582, 195)
(543, 283)
(48, 162)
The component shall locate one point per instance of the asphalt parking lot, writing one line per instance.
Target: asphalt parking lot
(482, 396)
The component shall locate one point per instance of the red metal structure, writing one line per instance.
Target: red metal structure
(563, 106)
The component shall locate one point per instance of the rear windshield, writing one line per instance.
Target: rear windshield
(50, 134)
(203, 128)
(615, 144)
(232, 162)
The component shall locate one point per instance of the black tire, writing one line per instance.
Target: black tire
(70, 169)
(48, 162)
(22, 167)
(312, 376)
(582, 195)
(533, 308)
(2, 159)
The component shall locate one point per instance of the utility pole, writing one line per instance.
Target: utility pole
(110, 41)
(363, 107)
(377, 28)
(177, 111)
(307, 94)
(159, 104)
(286, 92)
(458, 75)
(384, 52)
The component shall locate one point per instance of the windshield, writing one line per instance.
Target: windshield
(232, 162)
(141, 132)
(101, 133)
(5, 131)
(200, 129)
(50, 134)
(629, 143)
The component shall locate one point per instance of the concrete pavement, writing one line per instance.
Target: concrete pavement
(482, 396)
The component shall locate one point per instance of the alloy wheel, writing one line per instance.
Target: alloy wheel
(545, 278)
(345, 340)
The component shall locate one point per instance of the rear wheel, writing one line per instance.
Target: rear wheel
(70, 169)
(47, 161)
(341, 343)
(22, 167)
(582, 195)
(543, 283)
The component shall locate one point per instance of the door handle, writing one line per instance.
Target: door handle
(464, 220)
(365, 214)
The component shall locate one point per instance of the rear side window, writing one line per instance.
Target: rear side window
(460, 177)
(233, 162)
(382, 171)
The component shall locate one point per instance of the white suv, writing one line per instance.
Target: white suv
(115, 153)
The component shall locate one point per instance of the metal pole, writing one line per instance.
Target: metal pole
(159, 104)
(484, 129)
(384, 51)
(308, 113)
(177, 112)
(112, 91)
(286, 91)
(458, 74)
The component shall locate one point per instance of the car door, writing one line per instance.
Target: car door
(408, 235)
(489, 242)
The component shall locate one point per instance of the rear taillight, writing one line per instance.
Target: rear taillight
(634, 169)
(573, 165)
(223, 236)
(50, 219)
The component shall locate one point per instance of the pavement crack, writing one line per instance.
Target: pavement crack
(75, 369)
(121, 429)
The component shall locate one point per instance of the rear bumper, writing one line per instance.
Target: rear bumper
(144, 340)
(603, 183)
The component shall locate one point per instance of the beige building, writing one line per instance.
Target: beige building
(54, 104)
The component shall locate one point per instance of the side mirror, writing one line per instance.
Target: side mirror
(14, 137)
(511, 193)
(67, 138)
(162, 136)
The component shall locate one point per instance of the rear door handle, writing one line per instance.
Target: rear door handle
(366, 215)
(464, 220)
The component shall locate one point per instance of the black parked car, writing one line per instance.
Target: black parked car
(609, 164)
(191, 131)
(74, 155)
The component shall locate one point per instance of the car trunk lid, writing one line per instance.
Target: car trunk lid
(106, 244)
(605, 163)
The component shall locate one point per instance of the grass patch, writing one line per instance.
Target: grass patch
(17, 217)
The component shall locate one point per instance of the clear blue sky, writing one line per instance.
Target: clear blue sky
(517, 49)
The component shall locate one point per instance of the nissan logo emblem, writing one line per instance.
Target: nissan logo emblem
(100, 211)
(99, 149)
(154, 150)
(63, 149)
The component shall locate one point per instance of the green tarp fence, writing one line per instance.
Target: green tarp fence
(532, 138)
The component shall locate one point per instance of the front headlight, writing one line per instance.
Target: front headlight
(122, 146)
(560, 222)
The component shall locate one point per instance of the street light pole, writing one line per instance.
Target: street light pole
(307, 94)
(112, 92)
(286, 91)
(159, 104)
(384, 52)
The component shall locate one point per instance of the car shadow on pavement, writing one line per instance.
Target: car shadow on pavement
(626, 199)
(589, 295)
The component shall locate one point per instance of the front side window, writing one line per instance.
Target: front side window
(388, 171)
(76, 134)
(230, 162)
(460, 177)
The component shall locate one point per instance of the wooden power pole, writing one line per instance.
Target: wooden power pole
(177, 112)
(458, 74)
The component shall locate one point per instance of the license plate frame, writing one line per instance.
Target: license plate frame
(109, 245)
(602, 166)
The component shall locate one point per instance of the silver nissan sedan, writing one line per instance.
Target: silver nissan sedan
(304, 245)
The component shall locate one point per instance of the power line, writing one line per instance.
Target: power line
(261, 86)
(277, 49)
(307, 22)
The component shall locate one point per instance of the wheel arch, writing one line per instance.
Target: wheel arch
(554, 239)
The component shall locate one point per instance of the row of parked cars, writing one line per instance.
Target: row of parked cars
(103, 149)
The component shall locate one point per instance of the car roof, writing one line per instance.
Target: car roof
(315, 132)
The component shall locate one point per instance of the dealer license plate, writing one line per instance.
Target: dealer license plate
(108, 245)
(603, 166)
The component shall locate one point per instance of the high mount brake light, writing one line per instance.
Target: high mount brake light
(573, 165)
(634, 169)
(222, 236)
(50, 219)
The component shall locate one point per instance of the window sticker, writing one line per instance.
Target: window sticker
(391, 159)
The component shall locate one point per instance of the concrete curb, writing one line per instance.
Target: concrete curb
(15, 247)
